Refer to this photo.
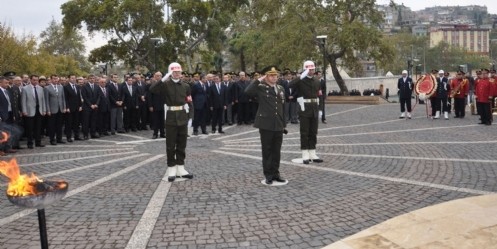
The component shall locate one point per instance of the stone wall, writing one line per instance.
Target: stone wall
(367, 83)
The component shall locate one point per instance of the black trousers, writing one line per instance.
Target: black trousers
(460, 107)
(484, 111)
(199, 119)
(143, 116)
(439, 104)
(243, 113)
(308, 133)
(158, 122)
(271, 152)
(217, 119)
(322, 100)
(89, 123)
(103, 122)
(405, 102)
(55, 121)
(33, 128)
(71, 124)
(176, 144)
(130, 118)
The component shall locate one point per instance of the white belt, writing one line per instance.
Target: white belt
(175, 108)
(311, 100)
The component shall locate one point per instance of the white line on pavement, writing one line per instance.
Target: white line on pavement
(371, 176)
(75, 151)
(381, 156)
(103, 141)
(75, 191)
(372, 144)
(365, 133)
(79, 158)
(131, 136)
(143, 230)
(235, 135)
(141, 141)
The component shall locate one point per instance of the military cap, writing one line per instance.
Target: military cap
(484, 70)
(461, 72)
(42, 78)
(9, 74)
(270, 70)
(492, 71)
(196, 74)
(434, 71)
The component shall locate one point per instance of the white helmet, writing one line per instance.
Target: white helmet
(441, 72)
(309, 65)
(174, 67)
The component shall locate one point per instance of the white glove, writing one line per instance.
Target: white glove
(166, 77)
(300, 100)
(165, 113)
(189, 123)
(304, 74)
(187, 108)
(320, 114)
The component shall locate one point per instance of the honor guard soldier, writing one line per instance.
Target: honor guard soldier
(405, 86)
(308, 88)
(459, 92)
(443, 90)
(270, 119)
(177, 96)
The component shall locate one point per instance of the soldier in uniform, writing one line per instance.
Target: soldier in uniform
(460, 90)
(443, 90)
(177, 96)
(308, 88)
(270, 119)
(405, 86)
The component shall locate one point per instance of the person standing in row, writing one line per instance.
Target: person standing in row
(156, 107)
(460, 91)
(484, 94)
(405, 86)
(217, 103)
(308, 89)
(177, 96)
(33, 109)
(270, 120)
(72, 93)
(56, 107)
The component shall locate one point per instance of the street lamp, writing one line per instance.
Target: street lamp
(156, 41)
(322, 42)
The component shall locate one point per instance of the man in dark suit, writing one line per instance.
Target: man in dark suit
(72, 93)
(56, 107)
(142, 89)
(6, 112)
(242, 100)
(116, 105)
(217, 103)
(228, 113)
(15, 87)
(91, 100)
(130, 105)
(322, 95)
(156, 109)
(103, 117)
(443, 91)
(33, 109)
(270, 119)
(405, 86)
(200, 102)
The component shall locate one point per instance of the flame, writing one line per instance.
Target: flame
(5, 137)
(19, 185)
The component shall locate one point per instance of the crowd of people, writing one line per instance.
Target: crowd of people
(72, 108)
(453, 94)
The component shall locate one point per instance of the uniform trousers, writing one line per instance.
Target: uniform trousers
(484, 111)
(308, 132)
(405, 102)
(176, 144)
(271, 152)
(460, 107)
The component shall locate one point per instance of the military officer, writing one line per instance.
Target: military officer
(308, 88)
(443, 90)
(270, 119)
(177, 96)
(405, 86)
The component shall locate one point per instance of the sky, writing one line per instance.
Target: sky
(33, 16)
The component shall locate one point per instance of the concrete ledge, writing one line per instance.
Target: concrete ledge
(361, 100)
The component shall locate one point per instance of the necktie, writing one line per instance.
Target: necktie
(115, 85)
(36, 97)
(130, 90)
(8, 99)
(55, 89)
(92, 89)
(103, 90)
(204, 87)
(217, 85)
(74, 88)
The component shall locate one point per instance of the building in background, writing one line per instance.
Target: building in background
(472, 39)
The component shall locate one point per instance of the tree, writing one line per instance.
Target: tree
(131, 24)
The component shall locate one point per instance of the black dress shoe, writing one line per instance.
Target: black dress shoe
(60, 142)
(95, 136)
(317, 160)
(121, 131)
(105, 134)
(305, 161)
(77, 138)
(171, 178)
(481, 123)
(222, 132)
(133, 129)
(69, 140)
(195, 133)
(162, 136)
(30, 146)
(53, 143)
(40, 145)
(113, 133)
(155, 136)
(324, 122)
(85, 138)
(205, 133)
(279, 179)
(269, 180)
(213, 131)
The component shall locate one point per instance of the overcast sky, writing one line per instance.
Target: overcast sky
(33, 16)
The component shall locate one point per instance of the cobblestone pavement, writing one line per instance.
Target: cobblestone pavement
(376, 167)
